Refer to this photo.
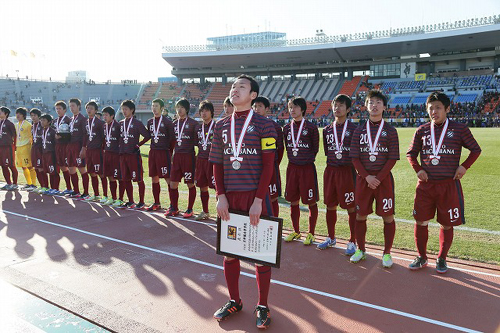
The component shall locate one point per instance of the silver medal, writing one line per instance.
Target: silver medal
(373, 158)
(44, 146)
(435, 161)
(179, 143)
(125, 140)
(108, 144)
(156, 140)
(339, 156)
(295, 153)
(204, 147)
(90, 138)
(236, 165)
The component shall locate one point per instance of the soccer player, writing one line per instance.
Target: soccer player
(36, 150)
(439, 143)
(93, 152)
(23, 148)
(184, 159)
(130, 155)
(7, 145)
(339, 177)
(61, 124)
(374, 152)
(261, 105)
(302, 145)
(204, 178)
(75, 152)
(162, 134)
(242, 174)
(49, 160)
(111, 156)
(228, 107)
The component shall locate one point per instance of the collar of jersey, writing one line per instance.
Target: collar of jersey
(241, 114)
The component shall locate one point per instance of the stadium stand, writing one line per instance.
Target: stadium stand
(349, 87)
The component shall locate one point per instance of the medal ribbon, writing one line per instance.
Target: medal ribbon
(44, 138)
(156, 129)
(436, 149)
(34, 128)
(59, 121)
(180, 131)
(108, 133)
(91, 126)
(1, 127)
(19, 126)
(296, 142)
(73, 122)
(237, 148)
(373, 145)
(126, 129)
(205, 139)
(339, 147)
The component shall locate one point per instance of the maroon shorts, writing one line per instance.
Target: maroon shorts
(445, 196)
(73, 155)
(111, 165)
(7, 156)
(301, 183)
(383, 196)
(275, 185)
(204, 175)
(159, 163)
(94, 161)
(36, 157)
(243, 200)
(49, 162)
(131, 167)
(183, 165)
(61, 154)
(338, 186)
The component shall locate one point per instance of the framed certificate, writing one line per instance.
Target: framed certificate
(261, 244)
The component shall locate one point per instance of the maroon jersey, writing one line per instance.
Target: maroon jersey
(94, 139)
(279, 141)
(204, 151)
(247, 177)
(7, 132)
(387, 147)
(189, 135)
(165, 133)
(50, 140)
(331, 148)
(114, 132)
(308, 144)
(135, 128)
(457, 136)
(57, 123)
(36, 132)
(77, 128)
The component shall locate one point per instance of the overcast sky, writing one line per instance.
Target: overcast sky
(122, 39)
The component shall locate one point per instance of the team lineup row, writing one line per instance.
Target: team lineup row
(239, 156)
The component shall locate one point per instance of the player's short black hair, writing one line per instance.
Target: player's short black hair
(5, 110)
(76, 101)
(130, 104)
(343, 99)
(36, 111)
(92, 103)
(183, 102)
(98, 113)
(254, 85)
(46, 116)
(206, 104)
(264, 100)
(61, 104)
(22, 111)
(159, 101)
(109, 110)
(228, 101)
(375, 93)
(438, 96)
(299, 101)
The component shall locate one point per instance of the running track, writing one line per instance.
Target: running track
(136, 272)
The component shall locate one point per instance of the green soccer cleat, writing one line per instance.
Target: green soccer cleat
(357, 256)
(387, 260)
(309, 239)
(292, 236)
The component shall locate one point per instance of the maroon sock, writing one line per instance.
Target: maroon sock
(232, 275)
(85, 181)
(204, 200)
(331, 220)
(156, 192)
(389, 232)
(74, 181)
(174, 198)
(54, 181)
(191, 197)
(95, 185)
(295, 214)
(263, 274)
(352, 226)
(421, 237)
(6, 174)
(67, 179)
(44, 179)
(112, 187)
(39, 177)
(313, 218)
(129, 189)
(104, 183)
(142, 191)
(121, 189)
(15, 174)
(361, 234)
(276, 208)
(445, 240)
